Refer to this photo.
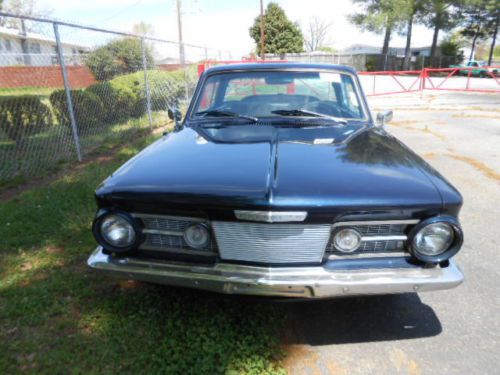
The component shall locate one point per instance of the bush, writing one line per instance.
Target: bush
(23, 116)
(87, 107)
(120, 56)
(119, 101)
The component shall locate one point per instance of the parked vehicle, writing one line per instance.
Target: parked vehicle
(482, 70)
(278, 182)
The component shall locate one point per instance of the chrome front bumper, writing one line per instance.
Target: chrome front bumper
(335, 278)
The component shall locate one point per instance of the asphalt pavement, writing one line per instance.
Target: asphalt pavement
(446, 332)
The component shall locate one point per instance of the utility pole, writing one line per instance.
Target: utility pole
(182, 57)
(262, 33)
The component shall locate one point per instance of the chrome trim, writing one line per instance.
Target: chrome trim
(305, 282)
(178, 250)
(384, 238)
(180, 218)
(354, 256)
(283, 243)
(374, 222)
(163, 232)
(271, 216)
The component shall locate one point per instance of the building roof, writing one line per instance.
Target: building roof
(15, 33)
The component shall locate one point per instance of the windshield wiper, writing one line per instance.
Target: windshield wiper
(220, 113)
(305, 112)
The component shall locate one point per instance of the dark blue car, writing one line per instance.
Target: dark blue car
(279, 182)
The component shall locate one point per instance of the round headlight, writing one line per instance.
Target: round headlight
(433, 239)
(347, 240)
(117, 231)
(197, 236)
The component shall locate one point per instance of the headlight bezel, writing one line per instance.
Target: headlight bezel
(342, 229)
(455, 246)
(96, 230)
(205, 245)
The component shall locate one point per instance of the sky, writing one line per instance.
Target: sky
(220, 24)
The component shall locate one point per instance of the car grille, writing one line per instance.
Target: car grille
(377, 237)
(166, 234)
(271, 243)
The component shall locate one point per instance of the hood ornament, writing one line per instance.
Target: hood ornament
(271, 216)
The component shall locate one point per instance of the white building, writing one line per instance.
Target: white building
(366, 49)
(33, 49)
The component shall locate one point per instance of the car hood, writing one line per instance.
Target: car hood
(370, 169)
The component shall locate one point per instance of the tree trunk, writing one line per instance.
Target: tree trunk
(434, 43)
(406, 63)
(473, 47)
(493, 41)
(387, 39)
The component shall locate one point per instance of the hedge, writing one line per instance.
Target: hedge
(87, 107)
(109, 102)
(23, 116)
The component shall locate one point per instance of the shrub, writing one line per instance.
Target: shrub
(120, 56)
(23, 116)
(87, 107)
(121, 100)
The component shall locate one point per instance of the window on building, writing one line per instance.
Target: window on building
(35, 48)
(8, 45)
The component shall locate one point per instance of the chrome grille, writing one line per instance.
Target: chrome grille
(166, 234)
(271, 243)
(377, 237)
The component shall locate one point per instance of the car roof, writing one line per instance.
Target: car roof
(279, 66)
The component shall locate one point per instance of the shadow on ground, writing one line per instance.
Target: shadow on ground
(361, 319)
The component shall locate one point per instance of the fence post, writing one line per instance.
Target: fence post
(67, 89)
(146, 83)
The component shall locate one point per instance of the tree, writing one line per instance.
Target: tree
(440, 15)
(378, 16)
(281, 35)
(120, 56)
(411, 11)
(317, 32)
(450, 47)
(143, 28)
(494, 8)
(25, 8)
(480, 20)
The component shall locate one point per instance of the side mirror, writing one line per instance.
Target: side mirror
(176, 115)
(383, 118)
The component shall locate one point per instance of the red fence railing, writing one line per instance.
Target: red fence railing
(468, 79)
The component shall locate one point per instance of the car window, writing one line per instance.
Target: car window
(262, 93)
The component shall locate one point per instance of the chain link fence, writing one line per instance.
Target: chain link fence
(65, 90)
(368, 62)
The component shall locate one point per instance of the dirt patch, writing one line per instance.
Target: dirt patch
(301, 359)
(463, 115)
(406, 125)
(478, 165)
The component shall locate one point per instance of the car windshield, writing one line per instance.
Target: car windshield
(280, 94)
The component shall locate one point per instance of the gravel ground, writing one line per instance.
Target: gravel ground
(446, 332)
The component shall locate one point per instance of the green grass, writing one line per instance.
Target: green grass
(59, 317)
(40, 91)
(48, 152)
